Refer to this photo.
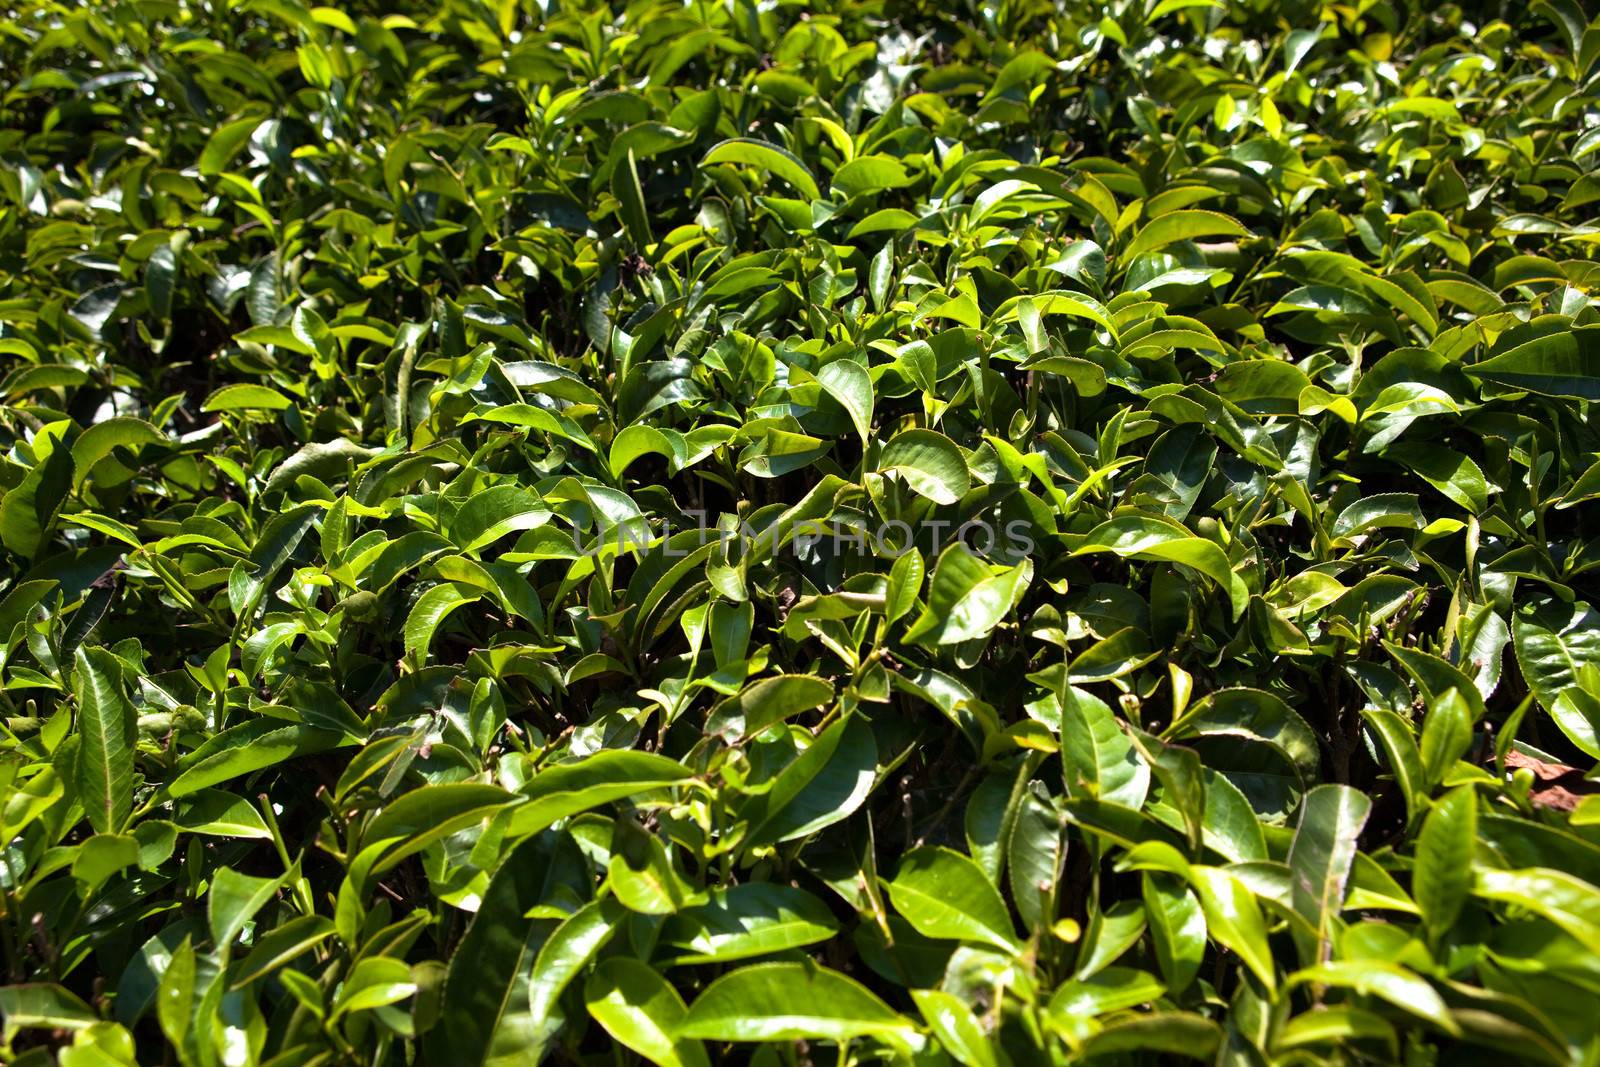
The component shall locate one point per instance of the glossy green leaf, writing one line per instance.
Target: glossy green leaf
(107, 733)
(790, 1001)
(966, 598)
(768, 701)
(233, 901)
(1561, 365)
(945, 894)
(1177, 931)
(1142, 538)
(848, 383)
(1113, 989)
(569, 788)
(642, 1011)
(741, 921)
(1553, 642)
(825, 784)
(1182, 226)
(930, 463)
(29, 509)
(1442, 878)
(1568, 902)
(1331, 820)
(570, 948)
(42, 1005)
(1098, 754)
(957, 1029)
(767, 157)
(1385, 981)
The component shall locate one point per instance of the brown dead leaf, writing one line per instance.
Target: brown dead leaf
(1556, 785)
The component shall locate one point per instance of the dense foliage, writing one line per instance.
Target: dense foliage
(978, 532)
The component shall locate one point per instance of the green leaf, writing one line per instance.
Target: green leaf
(175, 994)
(741, 921)
(945, 894)
(102, 856)
(1560, 365)
(277, 947)
(495, 512)
(1324, 847)
(98, 441)
(767, 157)
(788, 1002)
(107, 731)
(1173, 1033)
(957, 1029)
(430, 610)
(1554, 641)
(1568, 902)
(234, 899)
(848, 382)
(1177, 933)
(1138, 537)
(634, 442)
(428, 814)
(1404, 761)
(1334, 1024)
(245, 396)
(768, 701)
(1231, 826)
(1386, 981)
(828, 781)
(1110, 932)
(642, 875)
(1234, 920)
(869, 174)
(1174, 226)
(487, 990)
(250, 746)
(930, 463)
(967, 598)
(324, 460)
(1446, 735)
(1257, 716)
(373, 983)
(42, 1006)
(1097, 754)
(642, 1011)
(28, 510)
(568, 950)
(1441, 881)
(1113, 989)
(1035, 855)
(635, 215)
(225, 141)
(1455, 475)
(1380, 511)
(566, 789)
(905, 582)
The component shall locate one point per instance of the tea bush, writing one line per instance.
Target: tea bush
(984, 532)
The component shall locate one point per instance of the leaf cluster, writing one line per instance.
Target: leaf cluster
(967, 532)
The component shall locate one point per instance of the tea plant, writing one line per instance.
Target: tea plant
(984, 532)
